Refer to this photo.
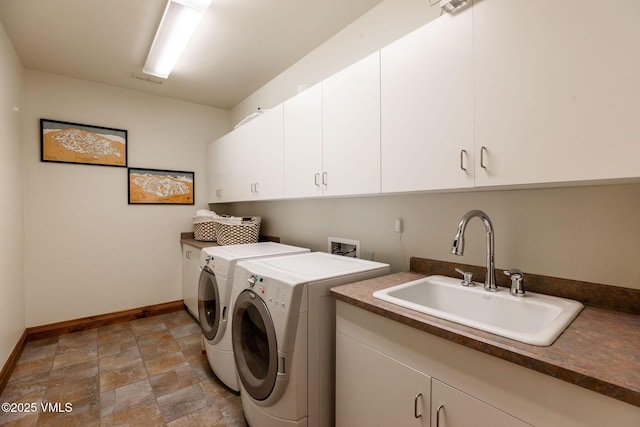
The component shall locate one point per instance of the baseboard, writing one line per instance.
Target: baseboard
(82, 324)
(91, 322)
(12, 361)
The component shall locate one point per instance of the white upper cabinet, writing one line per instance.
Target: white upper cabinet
(215, 174)
(351, 129)
(265, 154)
(557, 93)
(502, 93)
(225, 177)
(303, 144)
(246, 164)
(427, 107)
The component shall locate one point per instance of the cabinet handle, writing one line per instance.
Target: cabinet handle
(415, 406)
(482, 150)
(462, 154)
(317, 179)
(438, 415)
(256, 187)
(324, 178)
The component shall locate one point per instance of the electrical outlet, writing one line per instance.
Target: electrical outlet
(398, 225)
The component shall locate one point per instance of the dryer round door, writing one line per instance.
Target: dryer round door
(208, 304)
(254, 345)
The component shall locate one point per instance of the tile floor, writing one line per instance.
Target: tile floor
(146, 372)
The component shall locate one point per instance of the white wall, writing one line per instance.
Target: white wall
(12, 308)
(382, 25)
(580, 233)
(88, 251)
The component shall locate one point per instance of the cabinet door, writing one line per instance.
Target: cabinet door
(557, 90)
(303, 144)
(190, 277)
(452, 408)
(246, 164)
(223, 185)
(214, 172)
(351, 129)
(266, 153)
(239, 164)
(427, 107)
(373, 389)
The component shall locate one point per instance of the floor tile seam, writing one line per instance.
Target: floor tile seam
(15, 421)
(187, 414)
(148, 377)
(29, 349)
(137, 347)
(156, 397)
(162, 373)
(154, 345)
(42, 397)
(109, 341)
(138, 337)
(137, 405)
(98, 396)
(120, 352)
(98, 402)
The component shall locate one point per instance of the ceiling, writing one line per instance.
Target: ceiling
(238, 47)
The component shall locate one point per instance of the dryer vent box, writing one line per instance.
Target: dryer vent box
(344, 247)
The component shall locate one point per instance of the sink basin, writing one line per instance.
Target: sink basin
(534, 319)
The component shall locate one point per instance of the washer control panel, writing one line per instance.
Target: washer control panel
(274, 294)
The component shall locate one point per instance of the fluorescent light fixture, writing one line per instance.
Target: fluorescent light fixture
(180, 20)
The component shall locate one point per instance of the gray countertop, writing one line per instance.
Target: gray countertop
(582, 354)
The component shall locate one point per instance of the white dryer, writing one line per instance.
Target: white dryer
(214, 297)
(283, 333)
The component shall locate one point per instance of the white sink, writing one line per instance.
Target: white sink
(534, 319)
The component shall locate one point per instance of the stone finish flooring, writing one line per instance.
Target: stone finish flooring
(146, 372)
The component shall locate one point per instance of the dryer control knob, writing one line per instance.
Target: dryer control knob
(252, 280)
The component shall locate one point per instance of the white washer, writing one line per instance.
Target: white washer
(214, 294)
(283, 333)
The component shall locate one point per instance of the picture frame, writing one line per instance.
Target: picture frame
(160, 187)
(66, 142)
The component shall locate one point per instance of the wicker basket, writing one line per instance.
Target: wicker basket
(230, 231)
(204, 231)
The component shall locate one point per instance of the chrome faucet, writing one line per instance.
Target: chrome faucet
(457, 248)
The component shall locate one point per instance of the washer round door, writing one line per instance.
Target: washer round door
(254, 345)
(208, 304)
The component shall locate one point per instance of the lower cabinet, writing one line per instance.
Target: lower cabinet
(392, 374)
(373, 389)
(190, 277)
(453, 408)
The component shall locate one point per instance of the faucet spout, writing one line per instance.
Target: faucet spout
(457, 248)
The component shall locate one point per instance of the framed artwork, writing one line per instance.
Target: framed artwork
(65, 142)
(155, 186)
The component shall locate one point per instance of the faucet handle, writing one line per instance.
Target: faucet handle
(467, 277)
(517, 278)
